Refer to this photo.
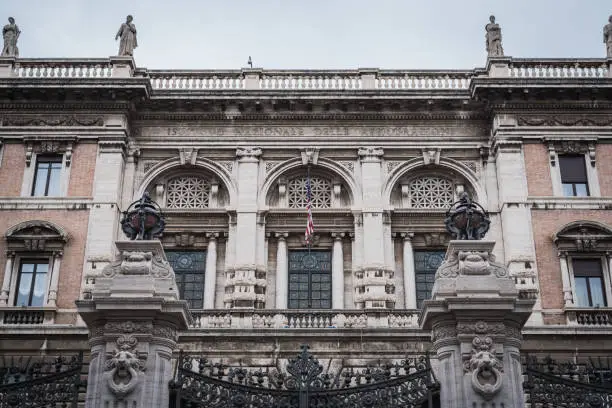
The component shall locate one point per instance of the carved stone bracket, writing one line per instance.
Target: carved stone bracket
(431, 156)
(188, 155)
(310, 156)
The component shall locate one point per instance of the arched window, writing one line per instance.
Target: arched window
(430, 192)
(188, 192)
(320, 192)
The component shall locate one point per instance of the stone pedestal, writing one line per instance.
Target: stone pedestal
(498, 67)
(476, 317)
(122, 67)
(133, 315)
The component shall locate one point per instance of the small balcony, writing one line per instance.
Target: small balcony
(596, 317)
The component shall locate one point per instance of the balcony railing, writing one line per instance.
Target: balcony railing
(558, 68)
(304, 319)
(590, 317)
(62, 68)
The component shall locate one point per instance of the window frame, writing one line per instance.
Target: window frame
(49, 160)
(18, 269)
(573, 184)
(606, 278)
(30, 173)
(588, 152)
(310, 281)
(196, 250)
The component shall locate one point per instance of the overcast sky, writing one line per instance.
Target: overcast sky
(209, 34)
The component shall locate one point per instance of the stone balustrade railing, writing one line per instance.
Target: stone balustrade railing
(209, 80)
(558, 68)
(304, 319)
(304, 80)
(590, 317)
(62, 68)
(417, 80)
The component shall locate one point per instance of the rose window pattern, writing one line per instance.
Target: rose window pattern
(431, 192)
(188, 192)
(320, 192)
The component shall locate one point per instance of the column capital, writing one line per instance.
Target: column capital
(563, 254)
(338, 236)
(406, 236)
(281, 236)
(370, 153)
(58, 254)
(10, 254)
(212, 236)
(248, 154)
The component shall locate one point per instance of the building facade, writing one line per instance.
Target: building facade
(231, 157)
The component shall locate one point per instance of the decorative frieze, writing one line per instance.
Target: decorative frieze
(52, 121)
(565, 120)
(47, 146)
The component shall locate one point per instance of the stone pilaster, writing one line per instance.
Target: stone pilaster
(133, 317)
(282, 270)
(476, 317)
(210, 276)
(409, 273)
(337, 271)
(375, 273)
(241, 286)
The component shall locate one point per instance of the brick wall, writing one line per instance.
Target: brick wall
(537, 167)
(11, 170)
(83, 168)
(75, 223)
(545, 224)
(604, 168)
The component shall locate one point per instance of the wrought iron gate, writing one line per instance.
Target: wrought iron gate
(551, 384)
(199, 383)
(40, 381)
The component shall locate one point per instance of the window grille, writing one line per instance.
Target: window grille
(188, 192)
(431, 192)
(320, 192)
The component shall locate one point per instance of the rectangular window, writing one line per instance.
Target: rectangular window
(589, 281)
(32, 282)
(573, 176)
(189, 268)
(310, 280)
(47, 176)
(426, 264)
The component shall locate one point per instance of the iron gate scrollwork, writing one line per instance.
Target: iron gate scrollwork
(552, 384)
(199, 383)
(40, 381)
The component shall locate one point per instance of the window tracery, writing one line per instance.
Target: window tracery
(320, 192)
(188, 192)
(431, 192)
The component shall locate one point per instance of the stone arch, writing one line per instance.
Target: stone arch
(36, 235)
(446, 166)
(323, 166)
(173, 167)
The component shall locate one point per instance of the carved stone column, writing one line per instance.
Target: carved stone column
(568, 296)
(337, 272)
(210, 276)
(282, 270)
(476, 317)
(133, 317)
(410, 301)
(8, 274)
(52, 295)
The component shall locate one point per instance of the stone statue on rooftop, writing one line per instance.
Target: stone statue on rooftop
(494, 39)
(10, 33)
(607, 32)
(127, 34)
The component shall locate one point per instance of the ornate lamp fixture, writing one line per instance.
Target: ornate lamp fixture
(466, 219)
(143, 219)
